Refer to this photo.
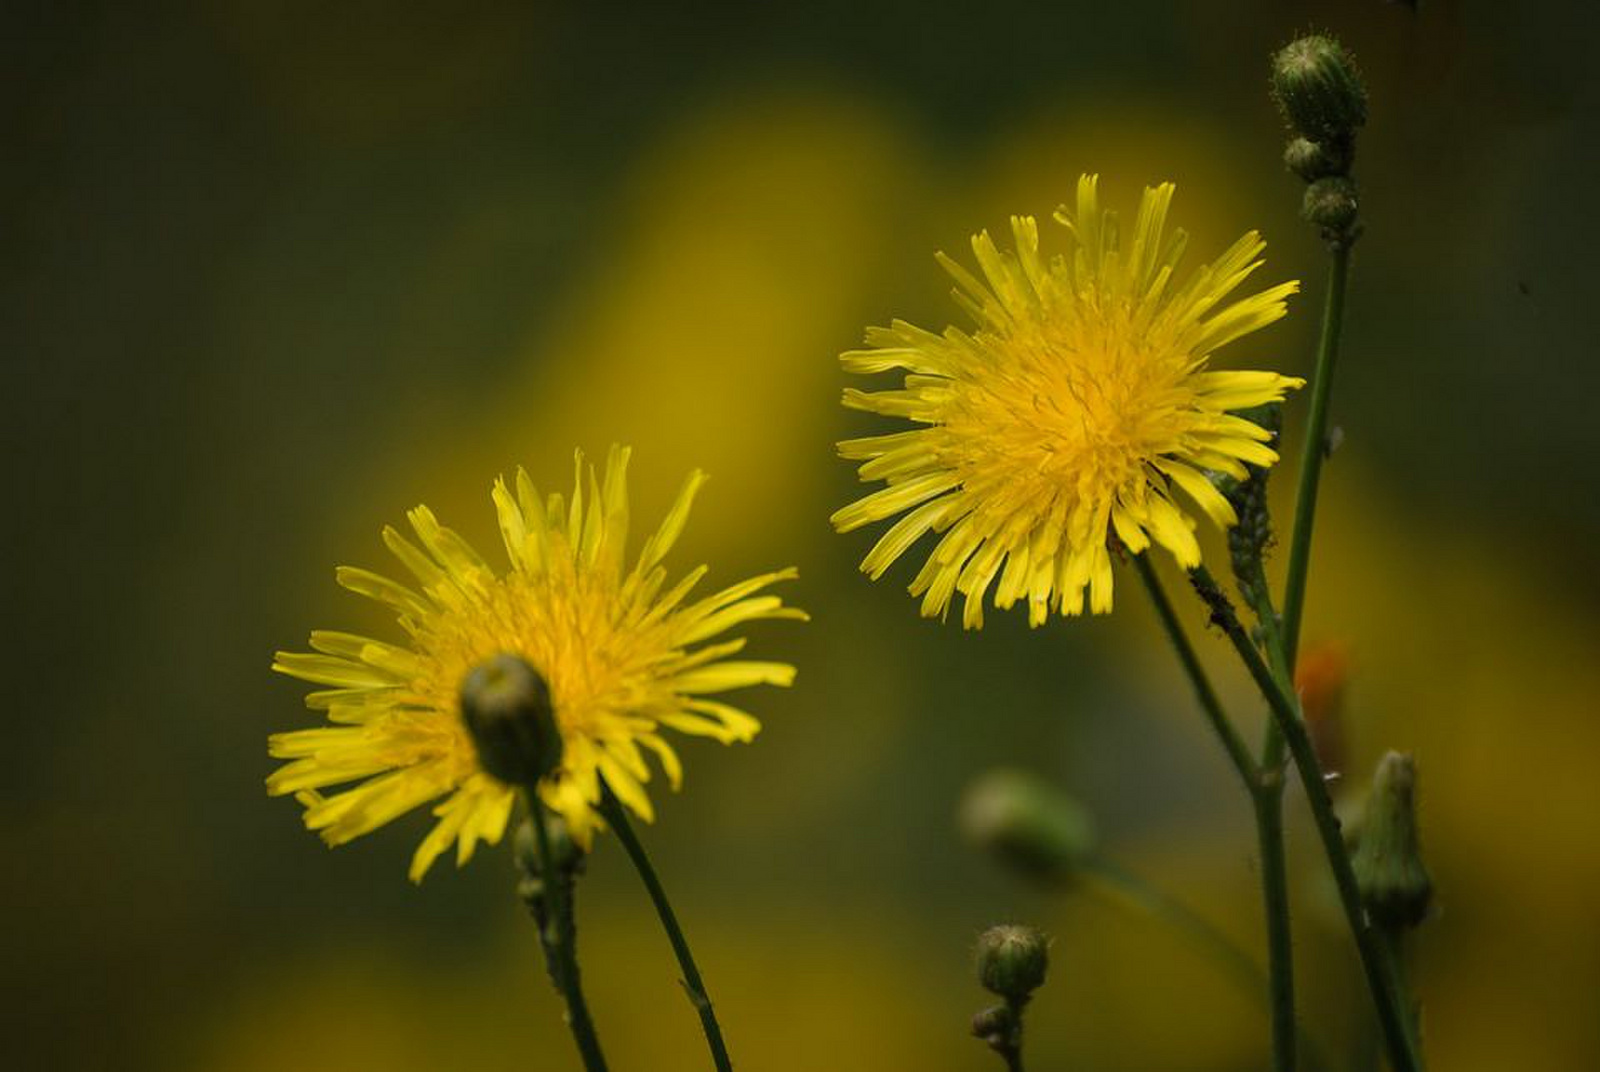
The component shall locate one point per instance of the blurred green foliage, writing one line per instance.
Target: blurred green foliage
(276, 272)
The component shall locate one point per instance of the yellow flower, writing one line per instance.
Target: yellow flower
(614, 648)
(1079, 409)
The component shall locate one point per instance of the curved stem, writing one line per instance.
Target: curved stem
(692, 983)
(1312, 454)
(1285, 707)
(1232, 743)
(1128, 888)
(558, 935)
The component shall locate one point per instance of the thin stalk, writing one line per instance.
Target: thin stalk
(1312, 454)
(558, 935)
(692, 983)
(1232, 743)
(1129, 889)
(1013, 1052)
(1395, 948)
(1270, 831)
(1275, 905)
(1285, 707)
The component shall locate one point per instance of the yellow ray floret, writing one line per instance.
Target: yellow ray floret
(1079, 409)
(616, 647)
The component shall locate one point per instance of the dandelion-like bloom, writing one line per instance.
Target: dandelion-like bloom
(617, 652)
(1080, 408)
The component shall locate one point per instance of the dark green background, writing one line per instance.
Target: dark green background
(274, 273)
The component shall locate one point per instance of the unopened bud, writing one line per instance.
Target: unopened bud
(505, 704)
(1388, 863)
(997, 1026)
(566, 857)
(1012, 961)
(1331, 204)
(1027, 824)
(1313, 160)
(565, 854)
(1317, 86)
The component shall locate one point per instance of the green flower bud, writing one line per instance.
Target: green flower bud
(1331, 204)
(505, 704)
(1012, 961)
(1313, 160)
(1318, 89)
(1388, 863)
(1027, 824)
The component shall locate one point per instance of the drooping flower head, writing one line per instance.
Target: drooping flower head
(1081, 407)
(614, 645)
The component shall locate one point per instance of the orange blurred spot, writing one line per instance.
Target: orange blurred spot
(1319, 677)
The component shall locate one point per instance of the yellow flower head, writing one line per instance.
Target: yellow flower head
(613, 647)
(1080, 407)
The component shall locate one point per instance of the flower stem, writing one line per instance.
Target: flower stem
(1275, 906)
(1314, 451)
(1285, 707)
(1127, 888)
(1232, 743)
(692, 983)
(1013, 1052)
(558, 935)
(1265, 786)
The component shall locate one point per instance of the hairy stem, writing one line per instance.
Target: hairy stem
(558, 935)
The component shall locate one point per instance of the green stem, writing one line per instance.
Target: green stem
(1232, 743)
(1265, 787)
(558, 935)
(1314, 451)
(692, 983)
(1129, 889)
(1013, 1051)
(1275, 904)
(1285, 707)
(1395, 950)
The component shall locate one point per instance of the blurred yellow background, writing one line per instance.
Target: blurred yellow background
(278, 273)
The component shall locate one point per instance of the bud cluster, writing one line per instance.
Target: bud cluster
(1320, 93)
(1012, 961)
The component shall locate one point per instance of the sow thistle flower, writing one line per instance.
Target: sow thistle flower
(617, 651)
(1080, 409)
